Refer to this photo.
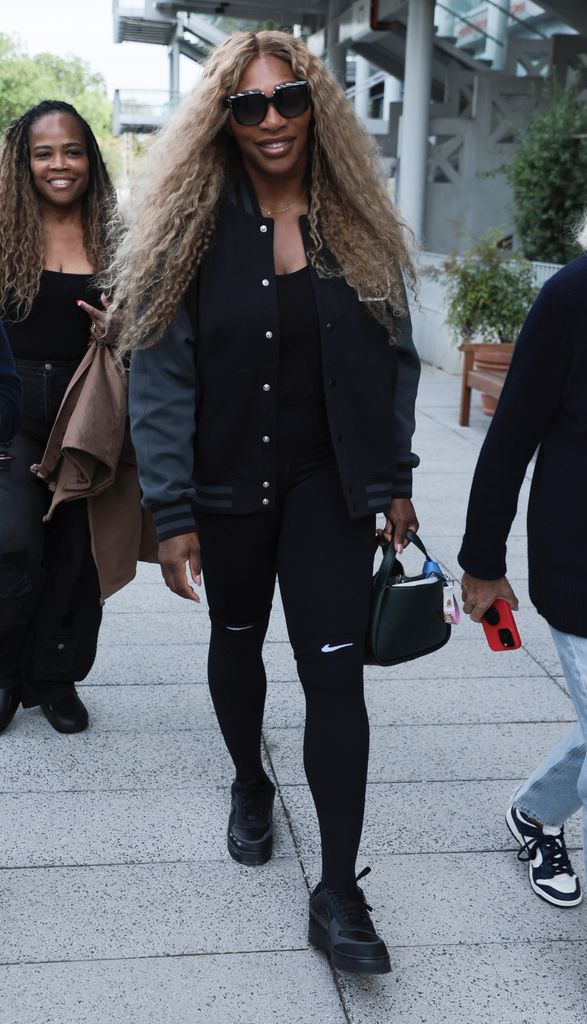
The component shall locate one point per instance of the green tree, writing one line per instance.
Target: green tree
(26, 80)
(548, 175)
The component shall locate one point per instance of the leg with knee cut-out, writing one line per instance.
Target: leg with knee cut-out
(23, 502)
(239, 568)
(238, 684)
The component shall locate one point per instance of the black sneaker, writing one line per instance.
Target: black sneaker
(250, 825)
(340, 926)
(550, 870)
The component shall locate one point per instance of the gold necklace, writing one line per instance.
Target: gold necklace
(271, 213)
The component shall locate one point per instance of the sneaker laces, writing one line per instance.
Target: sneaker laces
(554, 853)
(253, 801)
(352, 906)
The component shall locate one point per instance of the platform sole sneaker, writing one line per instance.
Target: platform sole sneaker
(550, 871)
(250, 825)
(319, 937)
(340, 926)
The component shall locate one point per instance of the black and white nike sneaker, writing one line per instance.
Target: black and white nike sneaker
(550, 870)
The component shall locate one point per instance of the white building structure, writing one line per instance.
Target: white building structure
(446, 86)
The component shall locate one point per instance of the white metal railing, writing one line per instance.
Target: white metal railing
(541, 271)
(141, 110)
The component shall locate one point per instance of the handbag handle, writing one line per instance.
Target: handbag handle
(390, 557)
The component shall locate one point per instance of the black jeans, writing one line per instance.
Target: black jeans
(324, 562)
(50, 608)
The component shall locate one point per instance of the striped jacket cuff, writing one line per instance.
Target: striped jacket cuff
(173, 520)
(402, 483)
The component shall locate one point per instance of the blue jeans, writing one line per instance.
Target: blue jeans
(558, 787)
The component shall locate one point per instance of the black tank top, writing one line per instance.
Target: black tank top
(56, 329)
(302, 419)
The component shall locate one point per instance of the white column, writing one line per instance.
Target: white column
(497, 26)
(335, 53)
(174, 69)
(415, 114)
(362, 74)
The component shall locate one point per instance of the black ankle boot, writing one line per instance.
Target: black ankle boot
(250, 825)
(68, 714)
(9, 701)
(340, 926)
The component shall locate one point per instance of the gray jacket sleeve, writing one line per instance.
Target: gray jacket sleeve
(162, 407)
(405, 409)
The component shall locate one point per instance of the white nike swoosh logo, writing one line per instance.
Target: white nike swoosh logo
(327, 648)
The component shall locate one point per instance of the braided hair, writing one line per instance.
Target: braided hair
(22, 236)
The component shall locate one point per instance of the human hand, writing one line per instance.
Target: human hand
(101, 327)
(400, 518)
(479, 595)
(173, 555)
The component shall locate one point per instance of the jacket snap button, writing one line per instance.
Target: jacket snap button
(266, 387)
(329, 327)
(263, 228)
(332, 382)
(265, 501)
(60, 647)
(265, 483)
(268, 334)
(48, 366)
(265, 282)
(265, 439)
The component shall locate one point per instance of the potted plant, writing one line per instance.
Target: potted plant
(489, 291)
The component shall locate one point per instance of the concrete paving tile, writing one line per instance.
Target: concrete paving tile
(150, 597)
(513, 983)
(540, 645)
(138, 709)
(468, 657)
(154, 629)
(107, 761)
(431, 817)
(135, 664)
(433, 752)
(151, 910)
(437, 701)
(243, 988)
(122, 828)
(461, 899)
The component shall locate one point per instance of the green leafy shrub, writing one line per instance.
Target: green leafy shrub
(548, 176)
(489, 291)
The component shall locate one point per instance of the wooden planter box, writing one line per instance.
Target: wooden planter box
(484, 369)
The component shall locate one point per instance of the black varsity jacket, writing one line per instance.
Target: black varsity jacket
(203, 400)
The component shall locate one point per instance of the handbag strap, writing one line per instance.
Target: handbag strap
(390, 557)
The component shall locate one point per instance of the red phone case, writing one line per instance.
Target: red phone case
(500, 628)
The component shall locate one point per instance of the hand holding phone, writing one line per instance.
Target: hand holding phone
(500, 628)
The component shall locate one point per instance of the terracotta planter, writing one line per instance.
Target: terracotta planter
(491, 357)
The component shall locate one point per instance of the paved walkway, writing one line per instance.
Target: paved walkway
(120, 904)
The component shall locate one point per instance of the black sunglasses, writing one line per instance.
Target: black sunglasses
(290, 99)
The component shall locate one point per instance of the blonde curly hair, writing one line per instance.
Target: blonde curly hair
(173, 211)
(22, 235)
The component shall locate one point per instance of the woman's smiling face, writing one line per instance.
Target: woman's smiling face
(58, 159)
(279, 145)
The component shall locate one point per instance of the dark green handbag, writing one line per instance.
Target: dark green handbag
(407, 612)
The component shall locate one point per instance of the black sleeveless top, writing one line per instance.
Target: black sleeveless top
(302, 419)
(56, 329)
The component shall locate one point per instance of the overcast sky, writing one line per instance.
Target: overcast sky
(83, 28)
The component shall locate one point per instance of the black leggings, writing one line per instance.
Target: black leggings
(324, 562)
